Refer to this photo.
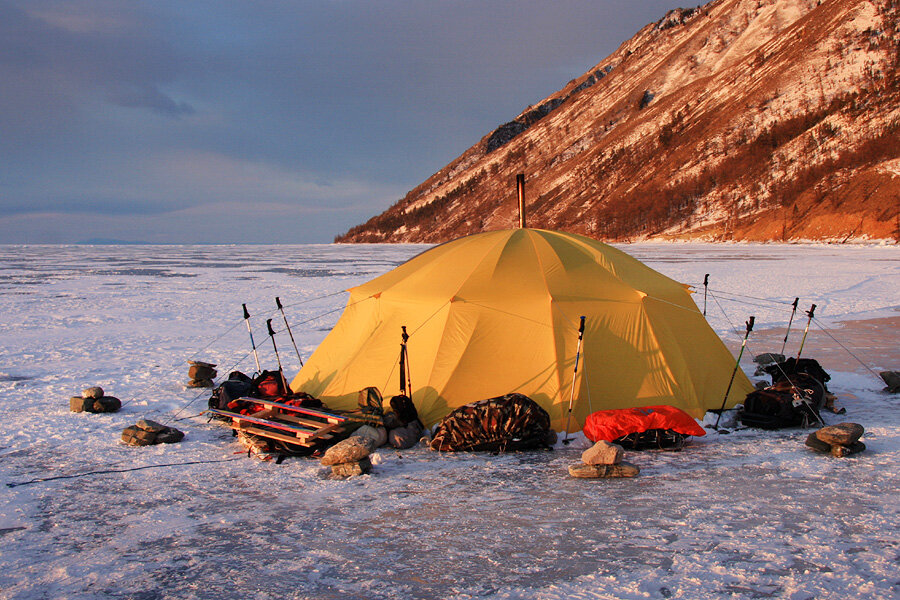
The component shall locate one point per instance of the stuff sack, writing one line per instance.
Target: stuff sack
(793, 402)
(303, 399)
(510, 422)
(645, 427)
(405, 410)
(268, 384)
(370, 401)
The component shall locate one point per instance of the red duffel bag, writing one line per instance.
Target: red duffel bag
(613, 424)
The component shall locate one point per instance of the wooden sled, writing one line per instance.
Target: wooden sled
(296, 425)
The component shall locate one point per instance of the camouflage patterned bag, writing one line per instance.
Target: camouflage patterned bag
(510, 422)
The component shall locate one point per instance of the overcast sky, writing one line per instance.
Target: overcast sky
(269, 121)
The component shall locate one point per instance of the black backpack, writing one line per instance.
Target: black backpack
(236, 386)
(791, 402)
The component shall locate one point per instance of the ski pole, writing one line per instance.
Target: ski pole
(406, 352)
(252, 343)
(283, 316)
(733, 373)
(705, 288)
(278, 358)
(574, 375)
(788, 332)
(809, 313)
(404, 363)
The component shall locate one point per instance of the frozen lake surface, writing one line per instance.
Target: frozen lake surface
(750, 514)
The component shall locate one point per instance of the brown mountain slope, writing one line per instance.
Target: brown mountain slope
(742, 119)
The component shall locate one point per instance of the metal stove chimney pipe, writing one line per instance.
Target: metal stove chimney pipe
(520, 189)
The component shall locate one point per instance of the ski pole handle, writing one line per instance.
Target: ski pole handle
(811, 310)
(269, 325)
(705, 290)
(581, 327)
(750, 324)
(252, 342)
(278, 303)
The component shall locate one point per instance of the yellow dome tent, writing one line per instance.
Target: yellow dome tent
(498, 312)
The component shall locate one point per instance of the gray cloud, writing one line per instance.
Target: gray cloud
(144, 108)
(151, 97)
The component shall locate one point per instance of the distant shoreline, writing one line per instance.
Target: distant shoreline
(887, 243)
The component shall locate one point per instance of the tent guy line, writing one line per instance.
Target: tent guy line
(108, 471)
(847, 350)
(724, 293)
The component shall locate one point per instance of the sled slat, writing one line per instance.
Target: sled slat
(310, 412)
(284, 438)
(290, 429)
(237, 417)
(307, 422)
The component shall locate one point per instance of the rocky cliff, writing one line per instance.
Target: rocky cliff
(740, 119)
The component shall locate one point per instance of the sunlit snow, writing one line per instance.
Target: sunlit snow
(750, 514)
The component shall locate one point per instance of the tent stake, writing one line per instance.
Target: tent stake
(734, 372)
(290, 333)
(574, 375)
(252, 343)
(788, 332)
(278, 358)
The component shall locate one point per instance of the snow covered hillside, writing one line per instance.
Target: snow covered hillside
(750, 514)
(736, 120)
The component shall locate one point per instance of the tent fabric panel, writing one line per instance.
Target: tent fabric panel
(362, 350)
(352, 331)
(438, 273)
(500, 356)
(571, 269)
(623, 365)
(627, 269)
(705, 364)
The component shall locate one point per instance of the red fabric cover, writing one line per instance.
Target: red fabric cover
(270, 386)
(612, 424)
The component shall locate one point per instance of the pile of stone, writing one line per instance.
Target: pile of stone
(93, 400)
(838, 440)
(202, 374)
(148, 433)
(603, 460)
(892, 380)
(351, 456)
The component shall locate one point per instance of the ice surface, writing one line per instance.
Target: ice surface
(744, 515)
